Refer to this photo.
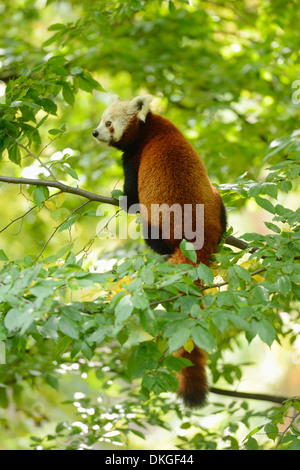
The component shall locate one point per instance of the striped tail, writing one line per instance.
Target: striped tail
(193, 387)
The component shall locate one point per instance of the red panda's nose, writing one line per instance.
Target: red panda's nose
(95, 133)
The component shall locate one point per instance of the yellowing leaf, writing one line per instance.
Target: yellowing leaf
(60, 199)
(189, 345)
(214, 290)
(118, 286)
(248, 264)
(50, 205)
(88, 294)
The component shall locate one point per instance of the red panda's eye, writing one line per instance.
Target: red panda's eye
(108, 123)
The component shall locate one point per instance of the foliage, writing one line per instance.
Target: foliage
(76, 334)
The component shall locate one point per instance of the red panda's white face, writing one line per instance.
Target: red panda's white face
(119, 116)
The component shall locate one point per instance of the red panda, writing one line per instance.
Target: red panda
(162, 168)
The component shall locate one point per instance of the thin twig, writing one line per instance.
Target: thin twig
(91, 241)
(203, 288)
(286, 430)
(32, 155)
(57, 228)
(26, 213)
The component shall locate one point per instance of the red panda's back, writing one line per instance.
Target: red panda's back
(169, 169)
(171, 172)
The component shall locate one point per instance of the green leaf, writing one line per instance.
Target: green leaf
(203, 339)
(225, 298)
(62, 346)
(254, 190)
(148, 321)
(271, 429)
(97, 336)
(176, 363)
(69, 327)
(52, 381)
(270, 189)
(265, 204)
(266, 331)
(16, 319)
(220, 321)
(49, 106)
(44, 289)
(147, 275)
(188, 250)
(272, 227)
(56, 27)
(237, 321)
(242, 273)
(92, 82)
(2, 353)
(87, 83)
(53, 38)
(138, 433)
(54, 131)
(205, 274)
(68, 223)
(57, 59)
(261, 293)
(31, 104)
(68, 94)
(253, 431)
(3, 256)
(285, 186)
(70, 171)
(278, 144)
(123, 267)
(283, 284)
(148, 382)
(14, 154)
(140, 302)
(4, 401)
(76, 70)
(40, 193)
(178, 339)
(232, 277)
(124, 308)
(100, 19)
(117, 193)
(251, 444)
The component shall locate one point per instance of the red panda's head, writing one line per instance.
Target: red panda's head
(121, 120)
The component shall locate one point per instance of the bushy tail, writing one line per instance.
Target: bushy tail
(193, 387)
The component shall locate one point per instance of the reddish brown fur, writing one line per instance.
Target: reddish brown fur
(193, 385)
(170, 171)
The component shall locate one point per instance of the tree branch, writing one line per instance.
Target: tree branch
(238, 243)
(63, 188)
(248, 395)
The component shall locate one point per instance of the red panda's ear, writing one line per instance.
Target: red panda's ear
(113, 99)
(141, 106)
